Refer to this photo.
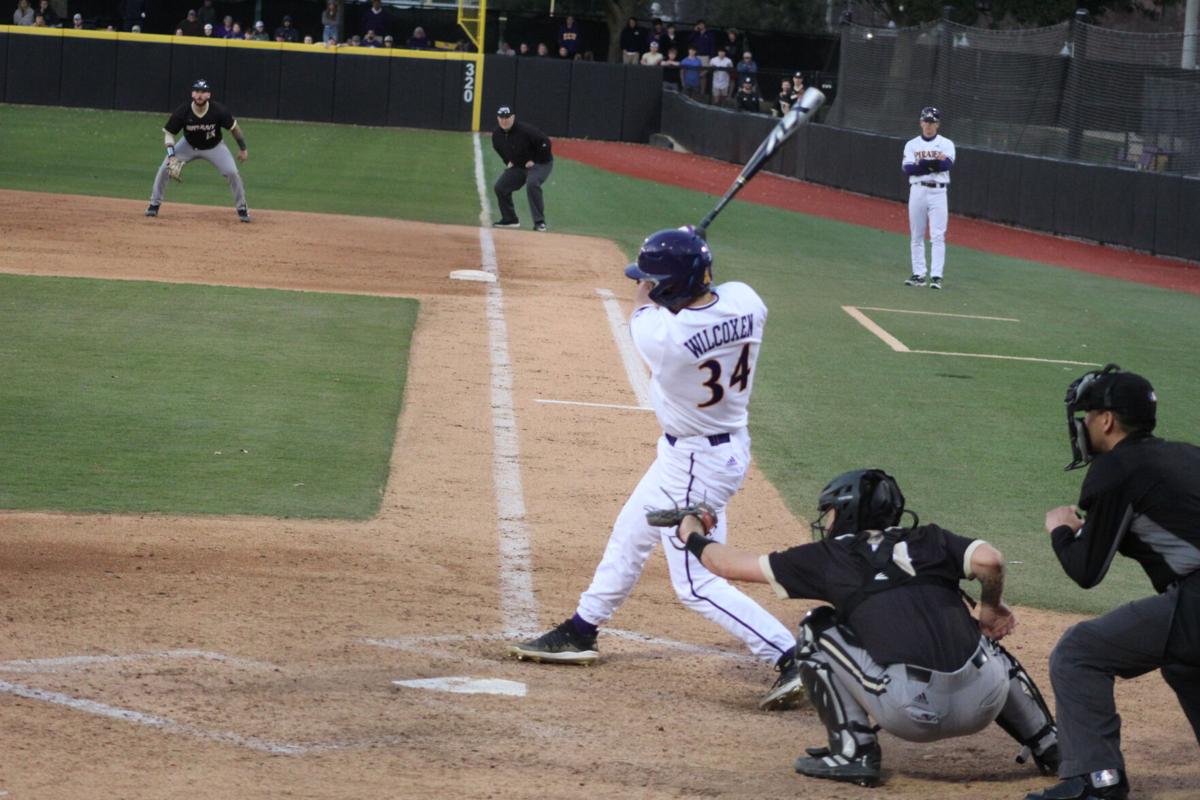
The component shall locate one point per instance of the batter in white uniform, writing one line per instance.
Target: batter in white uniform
(927, 162)
(701, 344)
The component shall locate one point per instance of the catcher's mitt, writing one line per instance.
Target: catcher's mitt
(671, 517)
(175, 169)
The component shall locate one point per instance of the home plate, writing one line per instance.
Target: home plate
(466, 685)
(473, 275)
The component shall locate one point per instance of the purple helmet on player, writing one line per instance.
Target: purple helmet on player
(679, 264)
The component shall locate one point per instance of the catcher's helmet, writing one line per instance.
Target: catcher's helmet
(1127, 394)
(930, 114)
(201, 85)
(679, 264)
(863, 499)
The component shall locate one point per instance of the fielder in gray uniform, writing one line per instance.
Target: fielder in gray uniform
(897, 642)
(201, 122)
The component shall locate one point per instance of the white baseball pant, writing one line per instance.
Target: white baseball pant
(927, 206)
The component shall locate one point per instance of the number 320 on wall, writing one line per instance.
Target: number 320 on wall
(469, 83)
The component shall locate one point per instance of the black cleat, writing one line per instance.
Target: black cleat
(863, 769)
(1105, 784)
(507, 223)
(540, 227)
(563, 645)
(152, 210)
(244, 214)
(915, 280)
(935, 283)
(788, 691)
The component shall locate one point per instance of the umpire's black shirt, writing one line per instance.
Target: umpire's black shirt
(1142, 499)
(521, 144)
(923, 624)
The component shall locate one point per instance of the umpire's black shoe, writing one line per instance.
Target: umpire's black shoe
(788, 690)
(863, 769)
(152, 210)
(244, 214)
(915, 280)
(563, 645)
(1105, 784)
(507, 223)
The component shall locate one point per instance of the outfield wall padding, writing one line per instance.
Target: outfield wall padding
(252, 82)
(499, 88)
(34, 72)
(89, 73)
(1148, 211)
(189, 63)
(416, 93)
(641, 111)
(3, 64)
(544, 94)
(596, 89)
(306, 86)
(143, 79)
(361, 89)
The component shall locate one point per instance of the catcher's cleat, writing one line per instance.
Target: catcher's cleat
(540, 227)
(152, 210)
(935, 283)
(507, 223)
(1047, 763)
(788, 691)
(863, 769)
(1104, 784)
(244, 214)
(915, 280)
(563, 645)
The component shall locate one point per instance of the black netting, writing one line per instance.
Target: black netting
(1071, 91)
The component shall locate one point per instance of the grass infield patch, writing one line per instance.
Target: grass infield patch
(123, 396)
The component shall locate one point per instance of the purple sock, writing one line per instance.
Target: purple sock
(583, 627)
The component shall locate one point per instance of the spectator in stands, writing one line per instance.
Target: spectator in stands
(505, 49)
(371, 40)
(77, 22)
(355, 41)
(208, 30)
(747, 98)
(747, 67)
(207, 13)
(235, 32)
(24, 14)
(190, 26)
(652, 58)
(656, 32)
(221, 30)
(784, 100)
(259, 34)
(543, 51)
(705, 42)
(633, 42)
(798, 84)
(309, 40)
(670, 39)
(722, 76)
(375, 19)
(734, 42)
(568, 35)
(690, 69)
(670, 66)
(563, 53)
(286, 33)
(389, 42)
(51, 19)
(523, 49)
(331, 21)
(418, 40)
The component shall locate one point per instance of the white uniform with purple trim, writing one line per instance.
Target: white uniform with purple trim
(927, 202)
(702, 364)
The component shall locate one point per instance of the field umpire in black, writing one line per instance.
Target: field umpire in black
(1142, 499)
(897, 643)
(526, 154)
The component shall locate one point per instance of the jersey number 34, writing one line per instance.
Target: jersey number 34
(738, 379)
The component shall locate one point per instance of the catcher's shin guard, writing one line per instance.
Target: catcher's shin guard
(822, 693)
(1027, 718)
(815, 621)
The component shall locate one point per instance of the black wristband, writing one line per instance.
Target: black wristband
(696, 543)
(242, 145)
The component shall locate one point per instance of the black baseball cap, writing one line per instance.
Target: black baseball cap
(201, 85)
(930, 114)
(1127, 393)
(504, 111)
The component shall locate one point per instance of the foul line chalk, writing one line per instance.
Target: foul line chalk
(635, 370)
(73, 662)
(884, 336)
(593, 405)
(518, 608)
(936, 313)
(466, 685)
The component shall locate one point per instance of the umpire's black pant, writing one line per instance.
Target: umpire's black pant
(532, 179)
(1136, 638)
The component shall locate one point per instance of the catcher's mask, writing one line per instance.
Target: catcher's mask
(678, 263)
(862, 499)
(1127, 394)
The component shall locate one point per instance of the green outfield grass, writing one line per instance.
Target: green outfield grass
(977, 444)
(133, 396)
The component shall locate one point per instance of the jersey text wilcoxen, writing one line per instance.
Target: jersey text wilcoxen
(729, 330)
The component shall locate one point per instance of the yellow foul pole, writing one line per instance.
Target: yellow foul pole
(472, 18)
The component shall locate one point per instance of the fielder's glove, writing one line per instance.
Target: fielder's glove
(175, 169)
(671, 517)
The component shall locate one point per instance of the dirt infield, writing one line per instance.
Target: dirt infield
(146, 657)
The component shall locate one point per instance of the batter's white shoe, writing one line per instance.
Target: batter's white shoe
(563, 645)
(915, 280)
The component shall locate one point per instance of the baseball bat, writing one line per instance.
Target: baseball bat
(799, 114)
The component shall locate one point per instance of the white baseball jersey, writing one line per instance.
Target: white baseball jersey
(919, 148)
(702, 360)
(720, 78)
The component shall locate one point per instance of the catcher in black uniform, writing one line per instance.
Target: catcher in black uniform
(896, 644)
(1142, 499)
(201, 121)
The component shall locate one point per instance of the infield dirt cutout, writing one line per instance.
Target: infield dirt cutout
(162, 657)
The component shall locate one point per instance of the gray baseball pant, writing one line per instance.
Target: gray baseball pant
(532, 179)
(921, 705)
(1128, 641)
(218, 156)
